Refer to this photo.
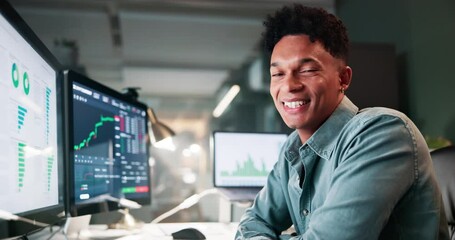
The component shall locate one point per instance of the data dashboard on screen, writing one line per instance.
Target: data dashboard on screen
(31, 149)
(109, 148)
(28, 125)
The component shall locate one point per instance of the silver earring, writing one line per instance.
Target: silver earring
(342, 90)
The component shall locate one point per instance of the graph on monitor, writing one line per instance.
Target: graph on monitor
(31, 147)
(245, 158)
(28, 133)
(247, 168)
(109, 147)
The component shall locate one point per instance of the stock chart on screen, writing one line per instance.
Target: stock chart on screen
(110, 157)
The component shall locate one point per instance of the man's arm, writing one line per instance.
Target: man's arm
(269, 215)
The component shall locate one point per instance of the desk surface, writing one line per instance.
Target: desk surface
(160, 231)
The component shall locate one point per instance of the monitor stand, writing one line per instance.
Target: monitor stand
(127, 221)
(75, 225)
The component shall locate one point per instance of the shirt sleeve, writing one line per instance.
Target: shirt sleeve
(269, 215)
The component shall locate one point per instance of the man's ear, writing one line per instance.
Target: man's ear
(345, 77)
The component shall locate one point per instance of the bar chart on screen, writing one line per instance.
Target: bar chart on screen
(25, 134)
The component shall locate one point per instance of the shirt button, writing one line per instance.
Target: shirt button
(305, 212)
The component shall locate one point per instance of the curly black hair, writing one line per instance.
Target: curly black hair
(317, 23)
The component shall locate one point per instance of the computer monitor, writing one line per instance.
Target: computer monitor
(244, 159)
(31, 149)
(109, 145)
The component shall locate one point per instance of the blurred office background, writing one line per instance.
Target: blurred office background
(185, 55)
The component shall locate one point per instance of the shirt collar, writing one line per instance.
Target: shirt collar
(324, 139)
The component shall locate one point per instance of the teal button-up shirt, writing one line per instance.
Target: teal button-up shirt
(362, 175)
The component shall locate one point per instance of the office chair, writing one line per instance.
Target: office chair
(444, 165)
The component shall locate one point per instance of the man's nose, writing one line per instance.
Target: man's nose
(293, 83)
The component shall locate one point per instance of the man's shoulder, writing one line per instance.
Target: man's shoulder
(379, 118)
(372, 113)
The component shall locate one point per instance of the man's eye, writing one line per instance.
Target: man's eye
(308, 70)
(277, 74)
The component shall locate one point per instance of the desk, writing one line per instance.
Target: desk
(160, 231)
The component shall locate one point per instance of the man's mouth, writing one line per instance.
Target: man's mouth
(295, 104)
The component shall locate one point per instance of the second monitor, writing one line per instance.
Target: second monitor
(108, 155)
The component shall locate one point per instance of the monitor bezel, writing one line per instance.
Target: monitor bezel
(54, 214)
(74, 209)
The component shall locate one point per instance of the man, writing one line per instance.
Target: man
(344, 173)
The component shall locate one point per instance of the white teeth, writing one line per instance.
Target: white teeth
(295, 104)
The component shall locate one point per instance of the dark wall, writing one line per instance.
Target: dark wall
(423, 35)
(374, 80)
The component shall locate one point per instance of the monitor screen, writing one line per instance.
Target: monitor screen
(244, 159)
(30, 127)
(108, 141)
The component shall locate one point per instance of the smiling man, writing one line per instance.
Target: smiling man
(344, 173)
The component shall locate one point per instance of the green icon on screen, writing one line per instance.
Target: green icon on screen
(26, 82)
(15, 75)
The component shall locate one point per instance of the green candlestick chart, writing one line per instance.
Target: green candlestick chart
(246, 169)
(93, 133)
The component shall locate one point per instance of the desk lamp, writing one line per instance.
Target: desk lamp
(160, 132)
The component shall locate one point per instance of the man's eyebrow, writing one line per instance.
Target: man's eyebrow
(274, 64)
(302, 61)
(307, 60)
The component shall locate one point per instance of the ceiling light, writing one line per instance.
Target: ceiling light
(227, 99)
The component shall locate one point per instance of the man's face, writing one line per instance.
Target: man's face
(305, 83)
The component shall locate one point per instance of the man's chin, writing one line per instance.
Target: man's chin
(291, 125)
